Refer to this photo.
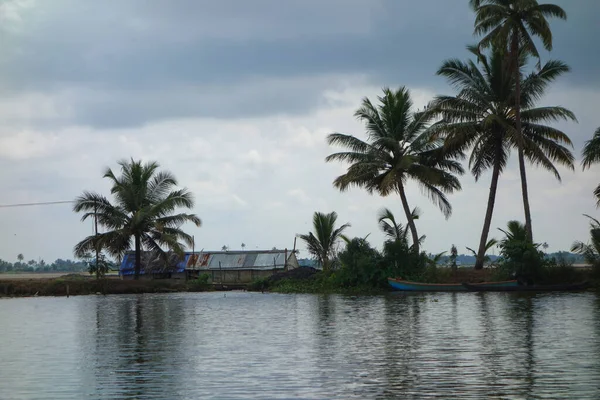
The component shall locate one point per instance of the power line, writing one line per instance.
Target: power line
(45, 203)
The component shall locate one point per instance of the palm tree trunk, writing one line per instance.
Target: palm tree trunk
(515, 59)
(96, 239)
(488, 214)
(138, 257)
(409, 217)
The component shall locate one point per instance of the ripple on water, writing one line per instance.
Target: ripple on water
(247, 345)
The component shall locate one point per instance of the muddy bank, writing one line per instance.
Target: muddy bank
(78, 285)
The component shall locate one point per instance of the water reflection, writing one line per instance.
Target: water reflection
(207, 345)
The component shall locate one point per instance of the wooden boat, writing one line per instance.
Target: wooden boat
(407, 286)
(568, 287)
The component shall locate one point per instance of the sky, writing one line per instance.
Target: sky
(236, 98)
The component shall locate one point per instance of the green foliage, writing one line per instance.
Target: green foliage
(259, 285)
(145, 202)
(399, 148)
(400, 260)
(591, 155)
(321, 243)
(360, 265)
(453, 255)
(58, 265)
(518, 256)
(502, 21)
(591, 250)
(200, 284)
(435, 274)
(100, 268)
(203, 279)
(560, 270)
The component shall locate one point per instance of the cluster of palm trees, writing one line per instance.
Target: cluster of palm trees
(143, 212)
(493, 112)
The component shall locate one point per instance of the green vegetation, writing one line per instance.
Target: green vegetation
(482, 117)
(58, 265)
(493, 112)
(200, 284)
(591, 155)
(512, 26)
(524, 260)
(321, 243)
(591, 251)
(74, 285)
(399, 148)
(143, 211)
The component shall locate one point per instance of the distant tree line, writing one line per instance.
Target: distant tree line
(59, 265)
(466, 259)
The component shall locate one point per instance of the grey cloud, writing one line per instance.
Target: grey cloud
(138, 61)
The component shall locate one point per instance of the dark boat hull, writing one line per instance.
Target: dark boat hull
(529, 288)
(408, 286)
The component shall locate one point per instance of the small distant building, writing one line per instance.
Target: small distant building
(239, 267)
(223, 267)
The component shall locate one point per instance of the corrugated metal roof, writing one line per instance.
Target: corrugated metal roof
(175, 264)
(240, 260)
(257, 260)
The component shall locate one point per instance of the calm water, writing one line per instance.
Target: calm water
(259, 346)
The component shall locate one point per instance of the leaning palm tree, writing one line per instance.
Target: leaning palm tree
(321, 243)
(512, 24)
(399, 148)
(481, 117)
(590, 251)
(591, 155)
(145, 202)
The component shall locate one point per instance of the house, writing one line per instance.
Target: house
(153, 266)
(239, 267)
(223, 267)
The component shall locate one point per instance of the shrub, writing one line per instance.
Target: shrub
(201, 283)
(259, 285)
(360, 264)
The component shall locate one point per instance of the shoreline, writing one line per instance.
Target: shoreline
(78, 285)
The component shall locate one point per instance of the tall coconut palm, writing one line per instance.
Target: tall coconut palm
(321, 243)
(513, 24)
(481, 117)
(591, 155)
(145, 202)
(399, 148)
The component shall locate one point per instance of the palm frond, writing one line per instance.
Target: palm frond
(591, 150)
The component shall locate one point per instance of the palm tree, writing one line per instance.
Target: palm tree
(490, 244)
(394, 231)
(145, 200)
(20, 257)
(590, 251)
(481, 117)
(321, 243)
(399, 148)
(512, 24)
(515, 232)
(591, 155)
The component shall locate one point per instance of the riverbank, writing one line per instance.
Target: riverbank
(77, 285)
(310, 280)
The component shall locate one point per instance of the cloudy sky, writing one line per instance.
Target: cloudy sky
(236, 98)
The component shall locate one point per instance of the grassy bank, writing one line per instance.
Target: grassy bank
(309, 280)
(77, 285)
